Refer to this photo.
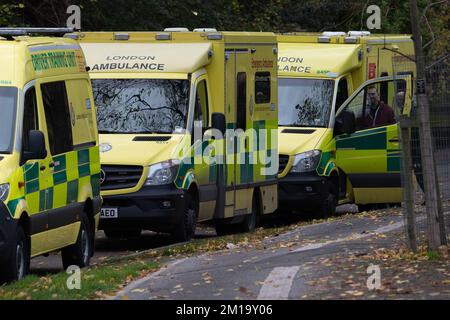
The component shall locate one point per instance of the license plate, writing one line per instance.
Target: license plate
(108, 213)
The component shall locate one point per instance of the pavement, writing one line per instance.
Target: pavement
(356, 257)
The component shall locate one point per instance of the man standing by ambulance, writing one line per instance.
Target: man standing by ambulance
(379, 113)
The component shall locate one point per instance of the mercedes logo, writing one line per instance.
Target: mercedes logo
(102, 176)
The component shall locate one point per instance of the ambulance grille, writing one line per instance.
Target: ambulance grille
(282, 161)
(120, 177)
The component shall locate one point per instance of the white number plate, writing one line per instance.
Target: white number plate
(108, 213)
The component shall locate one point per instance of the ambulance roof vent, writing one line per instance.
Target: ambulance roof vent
(351, 40)
(333, 33)
(324, 39)
(215, 36)
(359, 33)
(176, 30)
(121, 36)
(205, 30)
(72, 36)
(163, 36)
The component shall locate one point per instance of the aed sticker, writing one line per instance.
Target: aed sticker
(88, 104)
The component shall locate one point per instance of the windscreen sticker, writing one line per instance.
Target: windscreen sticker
(53, 60)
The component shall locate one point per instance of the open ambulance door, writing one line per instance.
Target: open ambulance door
(367, 141)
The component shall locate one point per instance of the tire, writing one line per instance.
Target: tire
(251, 220)
(186, 229)
(18, 265)
(79, 253)
(328, 207)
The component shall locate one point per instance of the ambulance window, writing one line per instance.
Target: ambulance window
(241, 117)
(30, 120)
(342, 93)
(57, 116)
(262, 87)
(201, 105)
(384, 88)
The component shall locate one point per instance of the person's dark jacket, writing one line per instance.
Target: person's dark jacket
(383, 116)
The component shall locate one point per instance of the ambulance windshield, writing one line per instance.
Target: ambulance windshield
(141, 105)
(8, 100)
(304, 102)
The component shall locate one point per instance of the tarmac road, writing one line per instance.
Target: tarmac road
(106, 248)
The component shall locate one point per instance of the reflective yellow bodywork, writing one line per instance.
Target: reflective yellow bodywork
(355, 59)
(40, 191)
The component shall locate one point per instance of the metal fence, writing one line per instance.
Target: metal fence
(438, 93)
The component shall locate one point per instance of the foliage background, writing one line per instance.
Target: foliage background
(248, 15)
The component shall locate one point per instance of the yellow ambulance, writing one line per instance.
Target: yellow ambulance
(168, 106)
(324, 160)
(49, 154)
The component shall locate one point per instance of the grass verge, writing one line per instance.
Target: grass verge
(111, 275)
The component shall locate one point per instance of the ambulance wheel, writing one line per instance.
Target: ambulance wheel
(18, 265)
(186, 229)
(251, 220)
(328, 206)
(79, 253)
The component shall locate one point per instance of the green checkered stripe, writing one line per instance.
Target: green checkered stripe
(374, 139)
(246, 172)
(72, 171)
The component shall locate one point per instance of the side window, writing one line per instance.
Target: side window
(342, 93)
(201, 114)
(30, 119)
(241, 101)
(57, 115)
(370, 110)
(262, 87)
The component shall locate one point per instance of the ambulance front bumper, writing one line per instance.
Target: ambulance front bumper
(158, 208)
(7, 232)
(300, 190)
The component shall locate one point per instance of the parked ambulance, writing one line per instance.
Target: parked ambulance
(335, 149)
(158, 96)
(49, 154)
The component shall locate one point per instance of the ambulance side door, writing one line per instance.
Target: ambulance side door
(62, 186)
(369, 154)
(36, 174)
(205, 167)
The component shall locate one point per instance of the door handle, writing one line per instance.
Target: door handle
(394, 140)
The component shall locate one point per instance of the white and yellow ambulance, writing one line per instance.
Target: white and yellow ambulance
(322, 165)
(154, 91)
(49, 156)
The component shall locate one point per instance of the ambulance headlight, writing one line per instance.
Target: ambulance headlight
(162, 173)
(306, 161)
(4, 191)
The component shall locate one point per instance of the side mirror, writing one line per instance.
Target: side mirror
(218, 122)
(345, 123)
(36, 143)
